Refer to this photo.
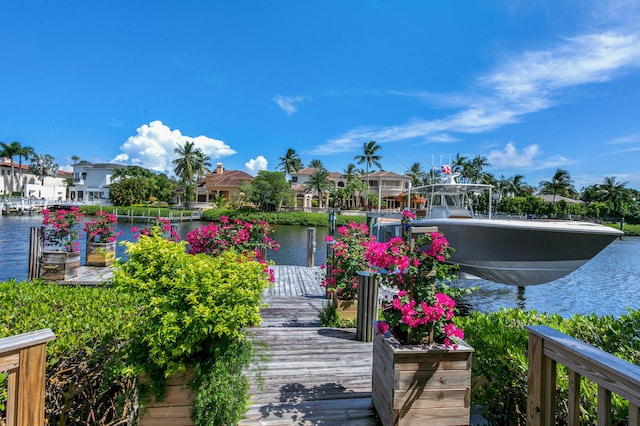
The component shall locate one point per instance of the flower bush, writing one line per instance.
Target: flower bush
(245, 237)
(341, 275)
(160, 226)
(100, 228)
(61, 229)
(423, 306)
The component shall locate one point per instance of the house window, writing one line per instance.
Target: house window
(294, 179)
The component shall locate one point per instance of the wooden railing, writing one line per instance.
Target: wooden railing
(548, 347)
(24, 358)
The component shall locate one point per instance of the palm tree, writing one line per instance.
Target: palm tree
(458, 164)
(201, 166)
(417, 174)
(75, 159)
(560, 184)
(290, 163)
(23, 152)
(518, 185)
(9, 151)
(350, 173)
(316, 164)
(185, 164)
(319, 181)
(369, 157)
(477, 164)
(610, 190)
(613, 192)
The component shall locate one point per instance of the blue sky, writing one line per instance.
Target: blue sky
(531, 85)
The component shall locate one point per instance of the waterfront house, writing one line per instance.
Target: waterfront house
(387, 185)
(222, 182)
(29, 185)
(91, 182)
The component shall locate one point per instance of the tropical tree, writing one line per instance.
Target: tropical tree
(319, 182)
(219, 201)
(9, 151)
(290, 163)
(23, 152)
(472, 171)
(356, 188)
(185, 164)
(189, 160)
(268, 190)
(458, 165)
(350, 173)
(43, 166)
(201, 166)
(316, 164)
(75, 159)
(417, 174)
(135, 184)
(560, 184)
(369, 157)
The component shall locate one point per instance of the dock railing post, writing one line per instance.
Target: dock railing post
(311, 246)
(367, 306)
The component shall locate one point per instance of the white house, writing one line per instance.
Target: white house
(29, 185)
(91, 182)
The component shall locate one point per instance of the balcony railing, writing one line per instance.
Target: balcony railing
(612, 375)
(24, 358)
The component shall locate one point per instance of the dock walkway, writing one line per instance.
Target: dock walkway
(312, 375)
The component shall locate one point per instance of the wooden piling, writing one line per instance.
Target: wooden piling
(311, 246)
(36, 243)
(367, 306)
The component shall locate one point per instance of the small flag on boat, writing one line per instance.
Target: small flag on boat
(446, 169)
(436, 170)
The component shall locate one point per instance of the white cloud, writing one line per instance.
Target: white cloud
(154, 144)
(510, 157)
(524, 84)
(288, 103)
(255, 165)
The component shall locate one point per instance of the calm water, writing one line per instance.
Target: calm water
(607, 285)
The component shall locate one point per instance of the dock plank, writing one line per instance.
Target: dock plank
(311, 375)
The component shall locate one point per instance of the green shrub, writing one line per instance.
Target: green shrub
(280, 218)
(187, 301)
(330, 317)
(222, 384)
(192, 311)
(84, 362)
(501, 365)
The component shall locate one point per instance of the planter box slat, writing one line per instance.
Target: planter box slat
(412, 385)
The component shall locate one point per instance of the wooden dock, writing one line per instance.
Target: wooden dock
(312, 375)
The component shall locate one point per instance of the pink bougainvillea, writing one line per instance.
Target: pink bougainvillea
(101, 228)
(61, 229)
(422, 310)
(347, 259)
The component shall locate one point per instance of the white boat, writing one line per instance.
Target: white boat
(518, 252)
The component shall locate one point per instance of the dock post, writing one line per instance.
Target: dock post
(367, 306)
(35, 251)
(311, 246)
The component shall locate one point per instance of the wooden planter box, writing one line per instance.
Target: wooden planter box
(175, 408)
(100, 254)
(348, 309)
(59, 265)
(416, 386)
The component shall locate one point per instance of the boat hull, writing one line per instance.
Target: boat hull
(521, 252)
